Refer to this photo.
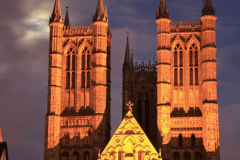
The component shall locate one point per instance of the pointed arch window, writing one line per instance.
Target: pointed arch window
(83, 62)
(73, 80)
(88, 62)
(88, 79)
(180, 140)
(175, 77)
(68, 80)
(175, 59)
(181, 76)
(73, 62)
(193, 138)
(70, 67)
(191, 76)
(180, 58)
(196, 58)
(68, 62)
(196, 76)
(83, 79)
(190, 58)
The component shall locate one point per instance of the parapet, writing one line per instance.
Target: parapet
(148, 67)
(78, 30)
(186, 26)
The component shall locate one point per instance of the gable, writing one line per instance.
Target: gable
(129, 142)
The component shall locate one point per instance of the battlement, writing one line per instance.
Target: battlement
(186, 26)
(78, 30)
(148, 67)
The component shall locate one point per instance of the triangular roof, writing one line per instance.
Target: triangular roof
(130, 139)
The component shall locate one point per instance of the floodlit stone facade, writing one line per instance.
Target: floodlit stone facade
(77, 123)
(182, 85)
(129, 143)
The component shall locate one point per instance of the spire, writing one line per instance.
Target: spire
(127, 60)
(0, 136)
(56, 15)
(100, 12)
(208, 8)
(67, 21)
(162, 11)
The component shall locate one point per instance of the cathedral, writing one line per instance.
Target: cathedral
(169, 107)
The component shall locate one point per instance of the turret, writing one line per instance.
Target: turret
(208, 8)
(209, 81)
(163, 78)
(52, 119)
(67, 20)
(101, 13)
(56, 15)
(127, 60)
(162, 11)
(101, 70)
(127, 78)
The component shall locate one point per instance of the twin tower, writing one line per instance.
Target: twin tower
(175, 98)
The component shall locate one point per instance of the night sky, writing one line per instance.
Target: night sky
(24, 49)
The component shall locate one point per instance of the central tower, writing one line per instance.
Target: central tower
(77, 123)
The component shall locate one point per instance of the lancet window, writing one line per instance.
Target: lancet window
(178, 65)
(193, 138)
(70, 69)
(193, 59)
(180, 140)
(86, 66)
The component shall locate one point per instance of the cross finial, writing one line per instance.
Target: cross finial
(129, 105)
(127, 34)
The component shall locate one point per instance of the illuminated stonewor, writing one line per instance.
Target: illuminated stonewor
(77, 123)
(184, 89)
(129, 142)
(187, 86)
(139, 86)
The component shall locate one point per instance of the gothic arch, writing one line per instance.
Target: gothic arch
(177, 41)
(193, 40)
(69, 45)
(84, 45)
(127, 138)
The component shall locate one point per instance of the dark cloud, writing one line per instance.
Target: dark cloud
(24, 61)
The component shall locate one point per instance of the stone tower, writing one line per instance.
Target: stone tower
(139, 86)
(187, 109)
(185, 92)
(77, 123)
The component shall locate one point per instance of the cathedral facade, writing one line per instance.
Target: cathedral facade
(175, 99)
(175, 111)
(77, 123)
